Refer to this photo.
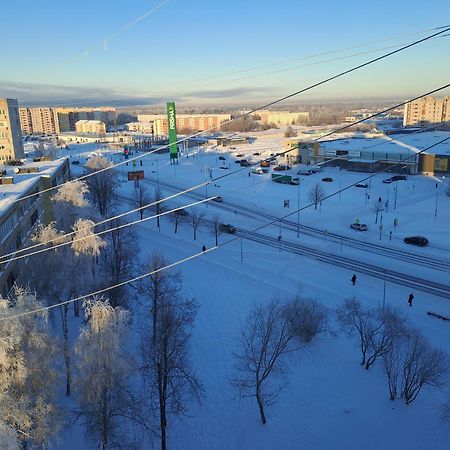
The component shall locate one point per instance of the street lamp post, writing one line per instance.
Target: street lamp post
(436, 206)
(298, 210)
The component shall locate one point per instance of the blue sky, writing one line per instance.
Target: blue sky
(201, 52)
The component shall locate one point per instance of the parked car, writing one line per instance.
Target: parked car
(245, 163)
(281, 167)
(227, 228)
(359, 226)
(304, 172)
(222, 158)
(387, 181)
(239, 155)
(256, 154)
(416, 240)
(362, 185)
(257, 170)
(265, 170)
(265, 164)
(223, 167)
(398, 178)
(327, 179)
(238, 161)
(75, 162)
(218, 199)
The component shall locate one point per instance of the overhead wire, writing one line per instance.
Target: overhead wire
(221, 177)
(196, 255)
(246, 114)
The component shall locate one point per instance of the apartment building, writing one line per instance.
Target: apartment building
(196, 122)
(427, 110)
(19, 218)
(282, 118)
(11, 145)
(91, 127)
(61, 120)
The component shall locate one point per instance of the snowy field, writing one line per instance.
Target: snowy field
(329, 402)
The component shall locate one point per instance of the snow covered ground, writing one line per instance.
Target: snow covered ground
(329, 402)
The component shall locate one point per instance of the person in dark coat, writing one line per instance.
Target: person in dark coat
(410, 299)
(353, 279)
(204, 248)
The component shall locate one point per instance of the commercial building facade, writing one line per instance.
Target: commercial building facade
(426, 111)
(11, 145)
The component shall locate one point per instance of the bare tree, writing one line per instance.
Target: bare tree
(307, 317)
(141, 197)
(357, 319)
(423, 366)
(178, 217)
(166, 365)
(157, 197)
(119, 260)
(266, 343)
(316, 194)
(102, 185)
(290, 132)
(160, 286)
(196, 220)
(387, 328)
(217, 230)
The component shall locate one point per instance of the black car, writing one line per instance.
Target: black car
(256, 154)
(222, 158)
(398, 178)
(245, 163)
(416, 240)
(327, 179)
(227, 228)
(362, 185)
(75, 162)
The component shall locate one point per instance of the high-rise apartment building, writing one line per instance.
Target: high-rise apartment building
(427, 110)
(61, 120)
(11, 145)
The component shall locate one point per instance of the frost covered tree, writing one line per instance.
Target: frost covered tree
(316, 194)
(141, 197)
(170, 380)
(196, 220)
(107, 404)
(84, 241)
(69, 199)
(266, 343)
(27, 374)
(102, 185)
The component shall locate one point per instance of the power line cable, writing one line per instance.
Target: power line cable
(196, 255)
(286, 97)
(226, 175)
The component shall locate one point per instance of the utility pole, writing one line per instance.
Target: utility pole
(436, 206)
(384, 289)
(242, 254)
(298, 210)
(395, 198)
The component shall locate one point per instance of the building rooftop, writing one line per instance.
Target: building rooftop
(24, 182)
(397, 143)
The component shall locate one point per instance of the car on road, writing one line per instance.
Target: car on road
(223, 168)
(238, 161)
(245, 163)
(362, 185)
(75, 162)
(282, 167)
(327, 179)
(387, 181)
(359, 226)
(421, 241)
(227, 228)
(218, 199)
(222, 158)
(256, 154)
(265, 170)
(257, 170)
(304, 172)
(239, 155)
(265, 164)
(398, 178)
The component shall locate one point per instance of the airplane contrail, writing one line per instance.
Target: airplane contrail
(105, 42)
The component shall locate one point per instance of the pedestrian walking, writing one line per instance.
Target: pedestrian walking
(410, 299)
(204, 248)
(353, 279)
